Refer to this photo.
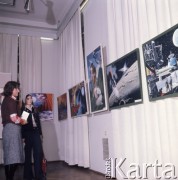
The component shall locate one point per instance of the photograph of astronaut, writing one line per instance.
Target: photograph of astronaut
(62, 106)
(160, 57)
(124, 81)
(78, 100)
(96, 81)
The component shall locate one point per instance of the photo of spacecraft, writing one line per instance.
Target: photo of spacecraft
(124, 81)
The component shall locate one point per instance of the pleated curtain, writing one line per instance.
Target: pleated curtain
(144, 133)
(74, 142)
(8, 54)
(30, 64)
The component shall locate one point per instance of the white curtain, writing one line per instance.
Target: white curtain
(74, 144)
(30, 64)
(147, 132)
(9, 54)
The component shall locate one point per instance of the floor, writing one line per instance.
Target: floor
(61, 171)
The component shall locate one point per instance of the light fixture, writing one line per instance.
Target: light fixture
(50, 18)
(27, 6)
(45, 38)
(82, 5)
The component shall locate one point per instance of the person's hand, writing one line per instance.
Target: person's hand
(23, 121)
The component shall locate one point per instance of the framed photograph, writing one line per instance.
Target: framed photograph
(7, 2)
(124, 81)
(78, 100)
(62, 106)
(44, 103)
(160, 58)
(96, 81)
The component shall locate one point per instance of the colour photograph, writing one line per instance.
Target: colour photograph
(78, 100)
(124, 81)
(44, 103)
(96, 81)
(160, 57)
(62, 106)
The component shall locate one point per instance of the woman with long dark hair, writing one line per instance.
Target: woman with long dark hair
(11, 134)
(32, 135)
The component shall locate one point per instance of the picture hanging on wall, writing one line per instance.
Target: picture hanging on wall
(44, 104)
(124, 81)
(78, 100)
(62, 106)
(96, 81)
(160, 58)
(7, 2)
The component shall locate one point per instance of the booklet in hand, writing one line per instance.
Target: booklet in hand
(25, 115)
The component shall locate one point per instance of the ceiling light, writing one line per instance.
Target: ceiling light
(27, 6)
(45, 38)
(7, 2)
(82, 5)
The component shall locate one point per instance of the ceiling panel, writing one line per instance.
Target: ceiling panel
(46, 14)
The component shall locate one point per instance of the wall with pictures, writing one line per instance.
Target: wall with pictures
(144, 133)
(100, 124)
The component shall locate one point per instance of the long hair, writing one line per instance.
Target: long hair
(28, 95)
(9, 87)
(24, 103)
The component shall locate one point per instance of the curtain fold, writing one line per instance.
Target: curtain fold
(147, 132)
(74, 143)
(9, 54)
(30, 65)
